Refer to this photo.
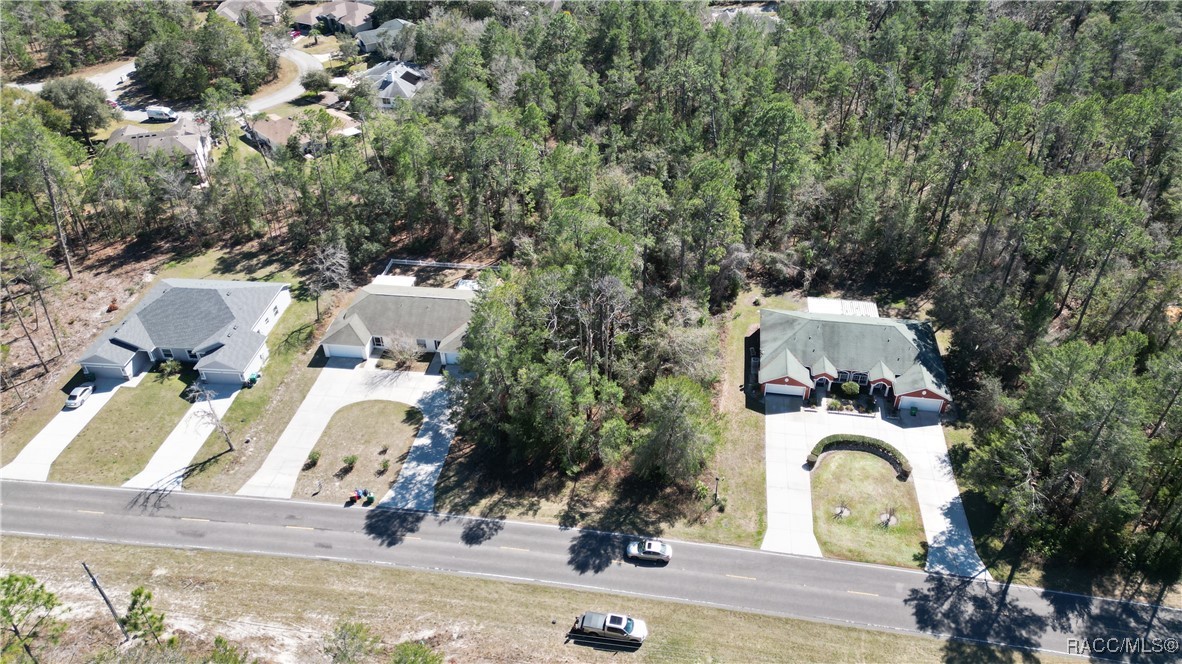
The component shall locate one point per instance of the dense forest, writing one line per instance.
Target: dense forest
(637, 165)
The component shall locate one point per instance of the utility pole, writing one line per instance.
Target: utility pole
(94, 582)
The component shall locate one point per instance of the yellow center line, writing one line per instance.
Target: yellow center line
(736, 576)
(190, 518)
(413, 537)
(513, 548)
(89, 512)
(299, 527)
(855, 592)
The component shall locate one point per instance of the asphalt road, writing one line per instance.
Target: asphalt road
(839, 592)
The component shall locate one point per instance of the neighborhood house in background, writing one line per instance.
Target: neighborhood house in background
(334, 17)
(268, 12)
(369, 40)
(389, 310)
(220, 327)
(800, 352)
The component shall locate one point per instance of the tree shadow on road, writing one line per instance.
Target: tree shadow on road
(968, 612)
(390, 526)
(637, 506)
(479, 531)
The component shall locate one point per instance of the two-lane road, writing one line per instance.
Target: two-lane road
(834, 591)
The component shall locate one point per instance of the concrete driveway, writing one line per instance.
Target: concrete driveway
(34, 460)
(791, 432)
(346, 381)
(167, 467)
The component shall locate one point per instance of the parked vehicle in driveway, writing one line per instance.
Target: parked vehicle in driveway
(611, 626)
(79, 395)
(160, 113)
(650, 549)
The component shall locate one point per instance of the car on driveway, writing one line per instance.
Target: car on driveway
(79, 395)
(653, 550)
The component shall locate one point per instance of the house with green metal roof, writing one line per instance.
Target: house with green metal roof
(800, 352)
(219, 327)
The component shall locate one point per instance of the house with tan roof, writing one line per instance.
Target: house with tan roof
(268, 12)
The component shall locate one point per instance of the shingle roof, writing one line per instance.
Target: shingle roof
(184, 136)
(396, 80)
(267, 11)
(897, 348)
(370, 38)
(408, 312)
(346, 12)
(193, 314)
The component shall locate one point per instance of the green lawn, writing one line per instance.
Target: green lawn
(278, 609)
(867, 486)
(123, 436)
(373, 431)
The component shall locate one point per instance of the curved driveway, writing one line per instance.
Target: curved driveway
(852, 594)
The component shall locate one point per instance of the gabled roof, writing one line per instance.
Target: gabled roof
(784, 365)
(184, 135)
(886, 346)
(824, 366)
(191, 314)
(346, 12)
(881, 372)
(409, 312)
(396, 80)
(370, 38)
(267, 11)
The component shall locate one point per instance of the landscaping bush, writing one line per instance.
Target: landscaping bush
(170, 368)
(313, 459)
(833, 405)
(350, 460)
(384, 467)
(850, 388)
(873, 445)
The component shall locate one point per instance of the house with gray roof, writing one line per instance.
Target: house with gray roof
(369, 40)
(186, 137)
(383, 314)
(395, 81)
(333, 17)
(800, 352)
(268, 12)
(219, 327)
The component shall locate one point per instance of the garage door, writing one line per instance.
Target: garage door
(333, 350)
(789, 390)
(928, 405)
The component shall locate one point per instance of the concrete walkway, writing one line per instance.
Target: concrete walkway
(341, 383)
(34, 460)
(790, 435)
(167, 467)
(415, 487)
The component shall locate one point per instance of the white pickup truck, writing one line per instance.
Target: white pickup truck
(611, 626)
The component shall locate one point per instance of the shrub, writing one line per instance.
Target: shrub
(384, 467)
(833, 405)
(701, 491)
(350, 460)
(850, 388)
(170, 368)
(872, 445)
(313, 459)
(415, 653)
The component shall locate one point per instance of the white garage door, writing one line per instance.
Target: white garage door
(928, 405)
(335, 350)
(790, 390)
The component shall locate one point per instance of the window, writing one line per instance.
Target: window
(275, 310)
(266, 320)
(167, 353)
(843, 376)
(860, 378)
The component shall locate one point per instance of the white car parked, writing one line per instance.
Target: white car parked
(79, 395)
